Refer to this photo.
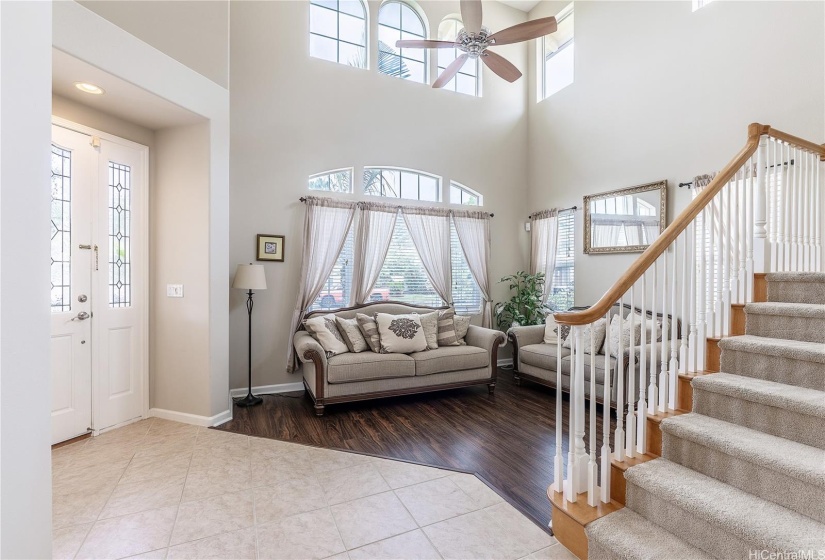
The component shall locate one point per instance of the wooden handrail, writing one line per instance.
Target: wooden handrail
(797, 141)
(660, 245)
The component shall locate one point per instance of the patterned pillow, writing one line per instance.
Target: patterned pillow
(324, 329)
(563, 331)
(369, 329)
(599, 329)
(462, 325)
(401, 334)
(353, 338)
(446, 328)
(629, 338)
(430, 323)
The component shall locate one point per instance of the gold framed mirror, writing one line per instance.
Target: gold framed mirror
(625, 220)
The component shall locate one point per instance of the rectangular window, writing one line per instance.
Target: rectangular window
(120, 245)
(556, 56)
(61, 230)
(563, 285)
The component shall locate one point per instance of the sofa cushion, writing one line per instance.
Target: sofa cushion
(450, 358)
(541, 355)
(346, 368)
(599, 369)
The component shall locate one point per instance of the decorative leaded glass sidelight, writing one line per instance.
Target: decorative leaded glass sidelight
(61, 230)
(120, 241)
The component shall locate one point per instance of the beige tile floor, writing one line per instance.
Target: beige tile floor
(160, 489)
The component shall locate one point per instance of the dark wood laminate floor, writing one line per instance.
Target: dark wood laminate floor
(507, 439)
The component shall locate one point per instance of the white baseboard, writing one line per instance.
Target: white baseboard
(193, 419)
(268, 389)
(505, 362)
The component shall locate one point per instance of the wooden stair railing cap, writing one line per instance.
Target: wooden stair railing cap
(660, 245)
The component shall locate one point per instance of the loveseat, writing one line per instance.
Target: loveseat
(535, 361)
(366, 375)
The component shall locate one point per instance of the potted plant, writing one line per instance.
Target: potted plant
(524, 307)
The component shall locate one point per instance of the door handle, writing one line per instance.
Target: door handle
(82, 316)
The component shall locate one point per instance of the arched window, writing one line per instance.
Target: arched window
(467, 80)
(397, 21)
(401, 183)
(339, 180)
(459, 194)
(338, 31)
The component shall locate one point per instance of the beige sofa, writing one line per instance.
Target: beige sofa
(535, 361)
(369, 375)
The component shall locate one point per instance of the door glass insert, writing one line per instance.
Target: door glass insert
(61, 230)
(120, 217)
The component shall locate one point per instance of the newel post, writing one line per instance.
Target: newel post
(761, 247)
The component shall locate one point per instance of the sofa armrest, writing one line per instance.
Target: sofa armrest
(308, 349)
(524, 336)
(488, 339)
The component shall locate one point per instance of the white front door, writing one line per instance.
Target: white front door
(98, 282)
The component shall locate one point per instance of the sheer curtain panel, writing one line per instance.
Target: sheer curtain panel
(473, 231)
(430, 232)
(544, 237)
(326, 225)
(376, 223)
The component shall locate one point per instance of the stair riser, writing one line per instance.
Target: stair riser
(806, 329)
(796, 292)
(789, 492)
(778, 369)
(768, 419)
(695, 531)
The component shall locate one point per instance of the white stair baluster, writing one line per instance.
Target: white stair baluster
(673, 369)
(558, 461)
(641, 409)
(618, 441)
(651, 389)
(592, 467)
(687, 287)
(630, 431)
(606, 453)
(571, 482)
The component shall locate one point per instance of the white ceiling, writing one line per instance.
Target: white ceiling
(122, 99)
(523, 5)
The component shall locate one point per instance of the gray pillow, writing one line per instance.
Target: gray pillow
(462, 325)
(599, 329)
(324, 329)
(353, 337)
(446, 328)
(430, 323)
(369, 329)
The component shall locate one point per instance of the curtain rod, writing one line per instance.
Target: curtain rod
(690, 183)
(560, 210)
(304, 199)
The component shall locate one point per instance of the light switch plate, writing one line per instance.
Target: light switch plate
(174, 290)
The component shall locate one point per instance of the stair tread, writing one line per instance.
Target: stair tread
(766, 524)
(627, 534)
(795, 399)
(818, 277)
(780, 347)
(809, 310)
(798, 460)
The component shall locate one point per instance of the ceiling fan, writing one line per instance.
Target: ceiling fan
(475, 39)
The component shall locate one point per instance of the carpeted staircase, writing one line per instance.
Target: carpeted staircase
(743, 475)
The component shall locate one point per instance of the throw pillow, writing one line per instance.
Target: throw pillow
(630, 335)
(563, 332)
(446, 328)
(429, 321)
(324, 329)
(550, 334)
(353, 337)
(599, 329)
(462, 325)
(653, 328)
(401, 334)
(369, 329)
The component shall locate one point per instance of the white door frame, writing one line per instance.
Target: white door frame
(143, 227)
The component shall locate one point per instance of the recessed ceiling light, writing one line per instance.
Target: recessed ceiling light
(89, 88)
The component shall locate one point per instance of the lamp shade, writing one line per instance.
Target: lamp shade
(250, 277)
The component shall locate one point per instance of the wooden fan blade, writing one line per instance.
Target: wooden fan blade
(471, 15)
(524, 31)
(450, 71)
(500, 66)
(424, 44)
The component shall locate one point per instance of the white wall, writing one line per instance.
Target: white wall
(665, 93)
(194, 32)
(293, 115)
(25, 388)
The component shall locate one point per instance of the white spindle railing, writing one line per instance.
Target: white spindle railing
(762, 213)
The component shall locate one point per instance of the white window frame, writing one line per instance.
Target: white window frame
(566, 224)
(566, 12)
(438, 182)
(465, 190)
(329, 174)
(400, 52)
(338, 40)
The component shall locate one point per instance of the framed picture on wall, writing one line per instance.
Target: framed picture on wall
(270, 247)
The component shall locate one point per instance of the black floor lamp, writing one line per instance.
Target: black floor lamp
(249, 277)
